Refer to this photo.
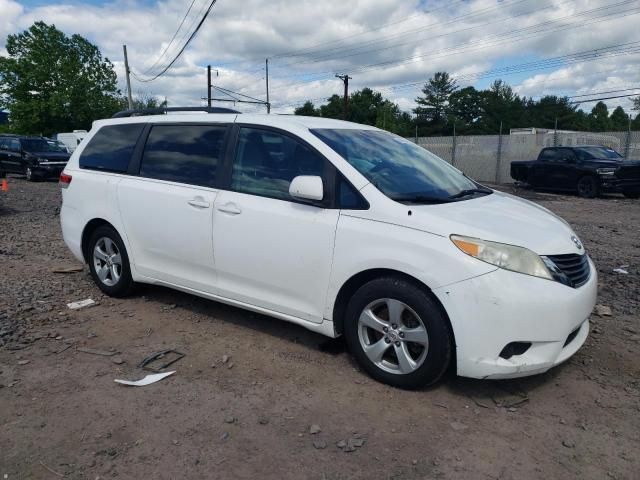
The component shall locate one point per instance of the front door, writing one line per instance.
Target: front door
(168, 210)
(270, 250)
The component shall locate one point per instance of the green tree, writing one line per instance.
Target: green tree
(466, 107)
(599, 117)
(619, 120)
(308, 109)
(432, 107)
(51, 82)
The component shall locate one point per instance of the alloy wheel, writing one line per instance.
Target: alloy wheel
(107, 261)
(393, 336)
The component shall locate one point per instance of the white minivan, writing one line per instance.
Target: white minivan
(342, 228)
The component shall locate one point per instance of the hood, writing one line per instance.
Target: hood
(498, 217)
(614, 163)
(60, 156)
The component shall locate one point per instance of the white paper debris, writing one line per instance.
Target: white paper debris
(81, 304)
(148, 380)
(621, 270)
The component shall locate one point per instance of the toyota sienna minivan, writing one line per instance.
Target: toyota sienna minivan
(342, 228)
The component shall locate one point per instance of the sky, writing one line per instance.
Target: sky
(539, 47)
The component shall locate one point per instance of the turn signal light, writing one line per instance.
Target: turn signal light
(65, 180)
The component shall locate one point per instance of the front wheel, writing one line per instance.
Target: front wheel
(588, 187)
(28, 173)
(109, 262)
(398, 333)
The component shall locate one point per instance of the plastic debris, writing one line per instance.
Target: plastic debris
(148, 380)
(68, 269)
(81, 304)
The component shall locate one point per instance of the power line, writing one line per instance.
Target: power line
(478, 44)
(191, 37)
(172, 38)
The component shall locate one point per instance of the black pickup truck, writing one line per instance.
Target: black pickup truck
(588, 170)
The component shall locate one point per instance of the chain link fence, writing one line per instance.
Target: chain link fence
(487, 158)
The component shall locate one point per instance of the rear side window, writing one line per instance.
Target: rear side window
(184, 153)
(111, 148)
(548, 155)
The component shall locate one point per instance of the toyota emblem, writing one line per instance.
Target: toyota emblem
(576, 241)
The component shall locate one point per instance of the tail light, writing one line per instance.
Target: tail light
(65, 180)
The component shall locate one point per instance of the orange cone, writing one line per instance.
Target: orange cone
(5, 187)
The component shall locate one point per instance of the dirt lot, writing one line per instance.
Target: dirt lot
(62, 415)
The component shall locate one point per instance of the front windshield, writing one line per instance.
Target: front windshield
(38, 145)
(601, 153)
(399, 168)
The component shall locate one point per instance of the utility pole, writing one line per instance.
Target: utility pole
(209, 86)
(345, 79)
(555, 134)
(266, 68)
(128, 72)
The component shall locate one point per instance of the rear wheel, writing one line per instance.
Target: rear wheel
(109, 262)
(398, 333)
(28, 173)
(633, 195)
(588, 187)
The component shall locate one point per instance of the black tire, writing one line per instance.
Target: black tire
(440, 342)
(124, 284)
(588, 187)
(632, 195)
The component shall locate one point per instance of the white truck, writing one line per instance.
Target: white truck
(71, 139)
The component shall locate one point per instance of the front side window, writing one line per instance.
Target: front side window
(14, 145)
(267, 161)
(183, 153)
(111, 148)
(400, 169)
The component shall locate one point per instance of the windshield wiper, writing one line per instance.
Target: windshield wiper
(420, 199)
(470, 191)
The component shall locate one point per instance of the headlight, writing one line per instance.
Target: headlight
(606, 171)
(509, 257)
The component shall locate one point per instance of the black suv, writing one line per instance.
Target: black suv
(34, 157)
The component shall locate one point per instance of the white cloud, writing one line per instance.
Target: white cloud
(458, 36)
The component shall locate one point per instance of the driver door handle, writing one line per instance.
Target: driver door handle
(230, 208)
(199, 202)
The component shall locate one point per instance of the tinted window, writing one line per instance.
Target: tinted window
(111, 147)
(602, 153)
(183, 153)
(14, 144)
(267, 161)
(397, 167)
(548, 155)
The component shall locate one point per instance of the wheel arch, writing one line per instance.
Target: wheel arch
(357, 280)
(88, 230)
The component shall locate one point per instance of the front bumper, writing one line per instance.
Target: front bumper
(48, 170)
(619, 185)
(490, 311)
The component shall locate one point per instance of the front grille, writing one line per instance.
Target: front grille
(574, 267)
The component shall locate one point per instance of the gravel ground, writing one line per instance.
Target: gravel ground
(259, 398)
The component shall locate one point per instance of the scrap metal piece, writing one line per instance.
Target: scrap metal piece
(158, 356)
(81, 304)
(148, 380)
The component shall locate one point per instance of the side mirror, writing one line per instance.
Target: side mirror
(307, 187)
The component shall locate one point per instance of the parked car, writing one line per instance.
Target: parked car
(342, 228)
(71, 139)
(588, 170)
(33, 157)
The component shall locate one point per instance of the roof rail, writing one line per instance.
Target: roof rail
(164, 110)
